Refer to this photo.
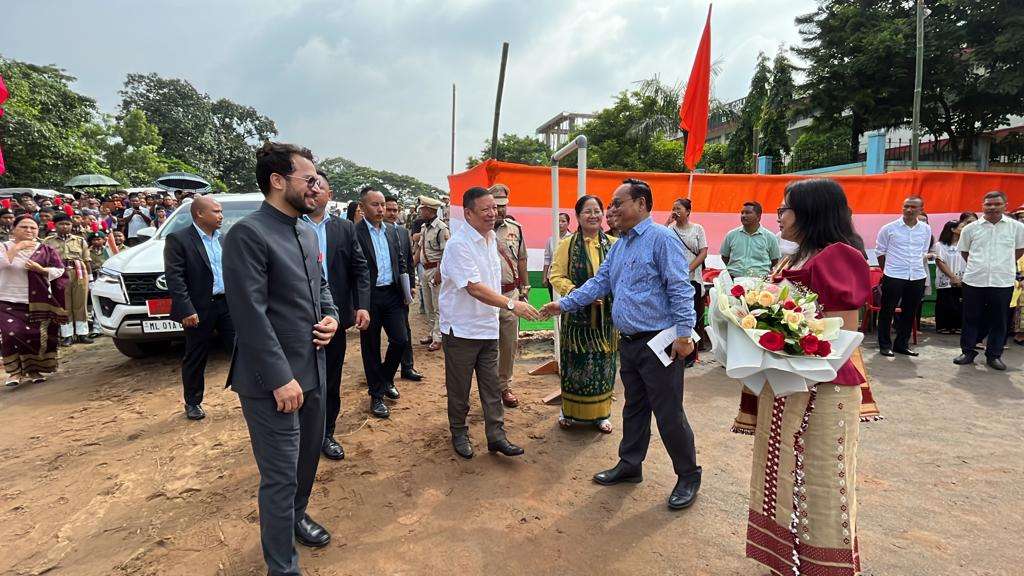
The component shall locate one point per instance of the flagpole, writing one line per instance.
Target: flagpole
(689, 189)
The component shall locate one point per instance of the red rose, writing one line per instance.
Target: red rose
(809, 344)
(773, 341)
(738, 291)
(798, 309)
(789, 305)
(824, 348)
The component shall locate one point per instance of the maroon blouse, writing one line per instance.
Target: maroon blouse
(840, 276)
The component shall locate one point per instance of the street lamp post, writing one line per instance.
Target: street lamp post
(915, 138)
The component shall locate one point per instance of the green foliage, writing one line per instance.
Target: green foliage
(821, 146)
(347, 178)
(739, 155)
(45, 129)
(714, 158)
(129, 149)
(777, 110)
(217, 137)
(513, 148)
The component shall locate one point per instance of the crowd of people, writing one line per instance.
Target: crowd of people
(56, 245)
(282, 287)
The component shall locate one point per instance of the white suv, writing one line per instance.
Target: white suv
(130, 298)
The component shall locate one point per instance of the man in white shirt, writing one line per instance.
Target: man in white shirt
(901, 247)
(991, 247)
(469, 301)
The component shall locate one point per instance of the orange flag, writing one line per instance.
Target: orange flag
(693, 113)
(3, 96)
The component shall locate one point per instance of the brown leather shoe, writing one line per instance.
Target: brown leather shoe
(508, 398)
(434, 347)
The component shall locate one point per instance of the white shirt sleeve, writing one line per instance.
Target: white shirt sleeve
(1019, 236)
(459, 265)
(882, 241)
(964, 245)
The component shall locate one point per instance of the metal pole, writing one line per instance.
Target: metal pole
(579, 145)
(581, 167)
(915, 145)
(689, 189)
(497, 101)
(453, 130)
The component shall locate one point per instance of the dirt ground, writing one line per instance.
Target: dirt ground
(101, 474)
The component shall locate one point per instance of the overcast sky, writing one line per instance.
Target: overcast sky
(371, 81)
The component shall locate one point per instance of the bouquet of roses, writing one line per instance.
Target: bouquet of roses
(781, 318)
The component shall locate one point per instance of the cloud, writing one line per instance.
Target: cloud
(371, 80)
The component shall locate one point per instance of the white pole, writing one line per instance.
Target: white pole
(689, 189)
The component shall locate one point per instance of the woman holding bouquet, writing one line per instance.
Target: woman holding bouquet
(803, 507)
(589, 341)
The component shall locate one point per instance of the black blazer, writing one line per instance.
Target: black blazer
(188, 272)
(398, 264)
(347, 273)
(405, 245)
(276, 293)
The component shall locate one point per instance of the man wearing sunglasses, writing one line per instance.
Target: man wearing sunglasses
(647, 272)
(284, 317)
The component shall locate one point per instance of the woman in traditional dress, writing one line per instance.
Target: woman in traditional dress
(950, 266)
(31, 304)
(589, 341)
(695, 244)
(802, 517)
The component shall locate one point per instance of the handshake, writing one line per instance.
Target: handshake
(524, 309)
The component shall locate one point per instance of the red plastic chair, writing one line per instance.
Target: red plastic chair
(872, 308)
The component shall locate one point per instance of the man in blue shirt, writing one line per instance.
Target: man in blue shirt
(648, 275)
(195, 281)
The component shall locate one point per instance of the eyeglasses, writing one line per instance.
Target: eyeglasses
(782, 210)
(312, 182)
(618, 202)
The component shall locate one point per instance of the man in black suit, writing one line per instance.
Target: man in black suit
(381, 247)
(344, 266)
(391, 213)
(285, 317)
(195, 279)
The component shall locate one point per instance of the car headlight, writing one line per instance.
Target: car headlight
(109, 276)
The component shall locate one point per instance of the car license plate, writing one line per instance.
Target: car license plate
(159, 307)
(156, 326)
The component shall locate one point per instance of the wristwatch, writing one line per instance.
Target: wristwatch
(511, 304)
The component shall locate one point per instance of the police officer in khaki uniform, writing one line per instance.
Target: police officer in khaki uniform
(74, 251)
(512, 253)
(433, 237)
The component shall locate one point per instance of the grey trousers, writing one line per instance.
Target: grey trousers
(508, 341)
(287, 451)
(463, 356)
(651, 387)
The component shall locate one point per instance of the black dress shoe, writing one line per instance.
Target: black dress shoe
(886, 352)
(332, 450)
(964, 359)
(906, 352)
(84, 339)
(411, 374)
(379, 409)
(392, 393)
(462, 446)
(996, 364)
(621, 473)
(505, 447)
(684, 493)
(194, 412)
(311, 534)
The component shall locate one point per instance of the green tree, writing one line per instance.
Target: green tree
(739, 155)
(777, 110)
(129, 148)
(217, 137)
(821, 146)
(714, 158)
(46, 127)
(513, 148)
(347, 178)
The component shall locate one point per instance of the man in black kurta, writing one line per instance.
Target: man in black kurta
(284, 318)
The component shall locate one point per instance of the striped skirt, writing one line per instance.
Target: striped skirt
(802, 518)
(28, 347)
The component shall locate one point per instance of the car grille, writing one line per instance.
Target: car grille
(142, 287)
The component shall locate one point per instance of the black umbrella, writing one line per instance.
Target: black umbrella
(182, 181)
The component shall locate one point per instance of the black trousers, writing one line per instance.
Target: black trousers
(948, 308)
(287, 451)
(985, 313)
(698, 308)
(214, 322)
(651, 387)
(332, 392)
(407, 359)
(387, 313)
(906, 295)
